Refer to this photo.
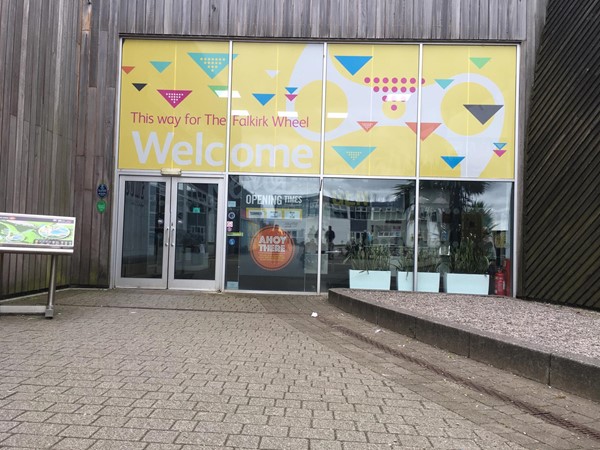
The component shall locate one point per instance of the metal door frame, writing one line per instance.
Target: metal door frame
(210, 285)
(167, 280)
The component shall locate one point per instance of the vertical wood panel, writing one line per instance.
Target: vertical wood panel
(35, 41)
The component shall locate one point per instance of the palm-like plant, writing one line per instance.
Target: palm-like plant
(365, 257)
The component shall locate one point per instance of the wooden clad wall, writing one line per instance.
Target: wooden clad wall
(89, 77)
(561, 217)
(38, 122)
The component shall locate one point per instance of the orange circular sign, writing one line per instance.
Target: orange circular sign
(272, 248)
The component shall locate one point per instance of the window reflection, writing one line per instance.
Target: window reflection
(469, 225)
(462, 227)
(364, 213)
(272, 232)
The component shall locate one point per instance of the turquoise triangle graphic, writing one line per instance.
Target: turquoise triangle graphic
(353, 63)
(480, 62)
(291, 90)
(211, 63)
(353, 155)
(499, 145)
(453, 161)
(160, 65)
(444, 83)
(263, 98)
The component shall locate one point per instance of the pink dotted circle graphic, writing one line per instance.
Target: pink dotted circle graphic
(383, 83)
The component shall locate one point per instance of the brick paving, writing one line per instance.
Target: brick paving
(132, 369)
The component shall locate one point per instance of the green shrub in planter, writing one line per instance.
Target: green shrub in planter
(366, 257)
(469, 257)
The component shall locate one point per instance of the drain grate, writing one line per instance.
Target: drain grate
(546, 416)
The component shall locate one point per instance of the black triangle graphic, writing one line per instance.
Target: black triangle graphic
(483, 113)
(139, 86)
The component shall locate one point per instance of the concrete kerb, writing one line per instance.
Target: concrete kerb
(572, 373)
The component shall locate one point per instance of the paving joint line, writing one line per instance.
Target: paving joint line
(160, 308)
(527, 407)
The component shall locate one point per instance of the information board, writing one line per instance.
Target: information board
(36, 233)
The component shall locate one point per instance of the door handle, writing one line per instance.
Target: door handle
(167, 236)
(172, 236)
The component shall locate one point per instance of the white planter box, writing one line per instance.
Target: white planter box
(426, 281)
(404, 281)
(463, 283)
(372, 279)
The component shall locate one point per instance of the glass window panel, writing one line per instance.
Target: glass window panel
(468, 111)
(276, 108)
(272, 233)
(376, 213)
(371, 109)
(195, 246)
(143, 229)
(173, 105)
(468, 224)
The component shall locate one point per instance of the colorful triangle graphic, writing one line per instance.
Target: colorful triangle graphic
(366, 125)
(174, 97)
(291, 90)
(499, 145)
(139, 86)
(263, 99)
(483, 113)
(353, 63)
(480, 62)
(291, 97)
(218, 90)
(353, 155)
(272, 73)
(211, 63)
(453, 161)
(499, 152)
(444, 82)
(426, 128)
(160, 66)
(127, 69)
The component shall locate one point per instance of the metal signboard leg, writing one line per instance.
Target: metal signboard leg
(49, 313)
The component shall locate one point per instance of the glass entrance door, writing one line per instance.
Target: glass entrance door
(169, 233)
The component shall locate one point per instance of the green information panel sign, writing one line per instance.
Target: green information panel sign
(25, 232)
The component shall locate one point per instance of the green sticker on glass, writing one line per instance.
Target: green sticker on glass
(196, 210)
(101, 206)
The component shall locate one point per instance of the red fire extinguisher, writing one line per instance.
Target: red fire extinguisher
(500, 287)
